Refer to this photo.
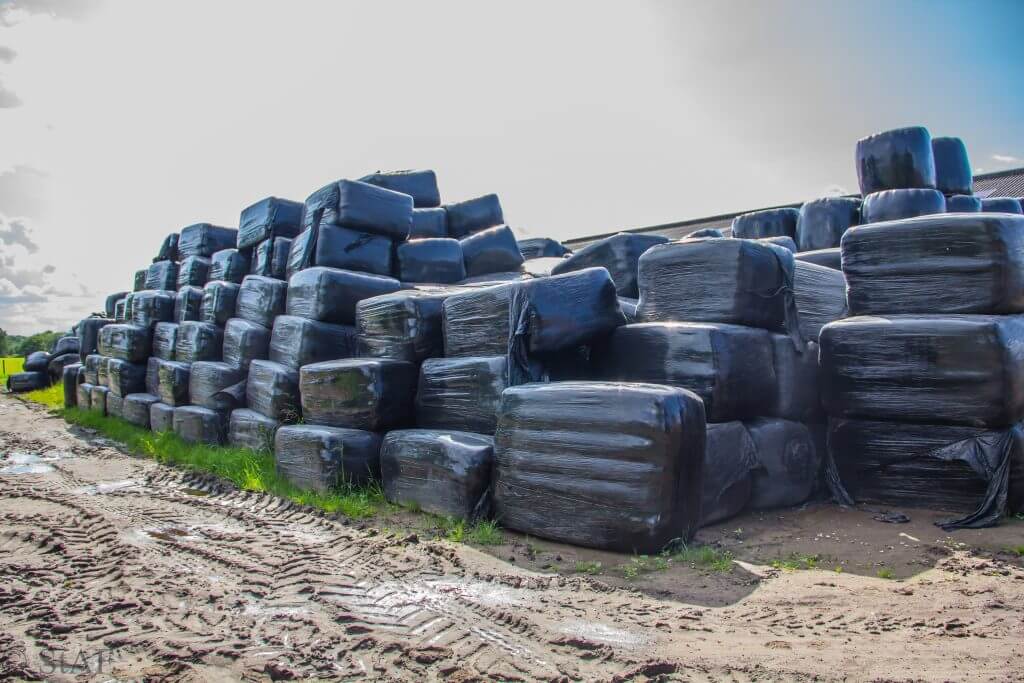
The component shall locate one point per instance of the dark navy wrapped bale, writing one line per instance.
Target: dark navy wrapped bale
(427, 223)
(962, 203)
(797, 389)
(476, 322)
(139, 279)
(125, 378)
(162, 275)
(440, 472)
(261, 299)
(29, 380)
(729, 461)
(301, 252)
(161, 418)
(209, 377)
(69, 382)
(320, 458)
(115, 405)
(98, 400)
(892, 205)
(188, 304)
(820, 295)
(895, 159)
(474, 215)
(619, 254)
(203, 239)
(822, 222)
(229, 265)
(153, 375)
(788, 463)
(705, 232)
(730, 367)
(338, 247)
(174, 380)
(966, 263)
(952, 167)
(969, 470)
(127, 342)
(195, 424)
(330, 295)
(219, 301)
(270, 258)
(103, 372)
(405, 325)
(296, 341)
(165, 340)
(493, 250)
(65, 345)
(1000, 205)
(603, 465)
(542, 247)
(168, 248)
(628, 307)
(266, 219)
(829, 258)
(420, 185)
(37, 361)
(766, 223)
(136, 409)
(89, 334)
(152, 306)
(111, 303)
(960, 369)
(244, 342)
(83, 396)
(92, 367)
(359, 393)
(369, 208)
(431, 260)
(272, 390)
(461, 393)
(121, 310)
(198, 341)
(193, 272)
(249, 429)
(786, 243)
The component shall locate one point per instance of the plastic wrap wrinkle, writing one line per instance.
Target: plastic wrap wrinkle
(296, 341)
(270, 258)
(188, 304)
(420, 185)
(820, 295)
(891, 205)
(358, 393)
(28, 381)
(341, 247)
(829, 258)
(98, 400)
(542, 247)
(199, 425)
(431, 260)
(168, 248)
(249, 429)
(111, 302)
(952, 167)
(493, 250)
(729, 459)
(962, 203)
(473, 215)
(245, 341)
(788, 463)
(230, 265)
(83, 396)
(207, 378)
(114, 405)
(320, 458)
(161, 417)
(893, 159)
(219, 300)
(153, 375)
(152, 306)
(370, 208)
(461, 393)
(1000, 205)
(618, 254)
(405, 325)
(476, 322)
(127, 342)
(136, 409)
(165, 340)
(268, 218)
(797, 389)
(89, 334)
(139, 279)
(193, 272)
(426, 223)
(125, 378)
(203, 239)
(162, 275)
(69, 383)
(37, 360)
(174, 378)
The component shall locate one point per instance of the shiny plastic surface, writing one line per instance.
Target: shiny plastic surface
(542, 247)
(266, 219)
(797, 389)
(162, 275)
(420, 185)
(766, 223)
(230, 265)
(244, 342)
(492, 250)
(358, 393)
(820, 295)
(405, 325)
(427, 223)
(330, 295)
(199, 425)
(729, 459)
(270, 258)
(822, 222)
(174, 379)
(618, 254)
(829, 258)
(198, 341)
(249, 429)
(165, 340)
(209, 377)
(476, 322)
(188, 304)
(952, 167)
(461, 393)
(438, 260)
(111, 302)
(193, 272)
(788, 463)
(962, 203)
(125, 378)
(1000, 205)
(161, 417)
(127, 342)
(296, 341)
(153, 306)
(89, 334)
(272, 390)
(895, 159)
(339, 247)
(473, 215)
(219, 301)
(203, 239)
(320, 458)
(168, 248)
(893, 205)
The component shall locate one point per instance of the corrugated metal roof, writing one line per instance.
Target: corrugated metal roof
(1002, 184)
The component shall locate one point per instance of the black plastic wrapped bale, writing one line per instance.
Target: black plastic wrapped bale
(952, 167)
(174, 381)
(1000, 205)
(296, 341)
(420, 185)
(229, 265)
(230, 398)
(962, 203)
(960, 369)
(797, 388)
(37, 361)
(339, 247)
(188, 304)
(301, 252)
(628, 307)
(92, 367)
(153, 306)
(405, 325)
(789, 465)
(330, 295)
(162, 275)
(103, 371)
(603, 465)
(193, 272)
(427, 223)
(965, 263)
(729, 461)
(203, 239)
(136, 409)
(89, 335)
(65, 345)
(98, 400)
(168, 248)
(111, 302)
(249, 429)
(967, 470)
(195, 424)
(127, 342)
(766, 223)
(461, 393)
(829, 258)
(153, 375)
(83, 396)
(542, 247)
(820, 295)
(261, 299)
(823, 222)
(893, 205)
(272, 389)
(244, 342)
(199, 341)
(121, 309)
(30, 380)
(369, 208)
(69, 382)
(742, 282)
(359, 393)
(161, 418)
(440, 472)
(266, 219)
(320, 458)
(493, 250)
(209, 377)
(730, 367)
(219, 301)
(786, 243)
(895, 159)
(619, 254)
(474, 215)
(125, 378)
(270, 258)
(139, 280)
(115, 405)
(165, 340)
(55, 368)
(705, 232)
(431, 260)
(476, 322)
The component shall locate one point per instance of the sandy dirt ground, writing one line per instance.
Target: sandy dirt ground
(116, 568)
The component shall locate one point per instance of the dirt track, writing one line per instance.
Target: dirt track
(146, 572)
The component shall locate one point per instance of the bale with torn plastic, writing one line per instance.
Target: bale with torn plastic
(296, 341)
(788, 463)
(766, 223)
(730, 459)
(165, 339)
(320, 458)
(618, 254)
(195, 424)
(330, 295)
(420, 185)
(461, 393)
(219, 300)
(474, 215)
(340, 247)
(893, 205)
(358, 393)
(127, 342)
(266, 219)
(203, 239)
(230, 265)
(249, 429)
(405, 325)
(209, 377)
(244, 342)
(431, 260)
(272, 390)
(198, 341)
(820, 295)
(895, 159)
(823, 222)
(261, 299)
(162, 275)
(136, 408)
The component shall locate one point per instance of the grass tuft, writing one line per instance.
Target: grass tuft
(587, 567)
(796, 561)
(51, 397)
(886, 573)
(705, 557)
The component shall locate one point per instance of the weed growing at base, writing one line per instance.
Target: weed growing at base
(705, 557)
(483, 532)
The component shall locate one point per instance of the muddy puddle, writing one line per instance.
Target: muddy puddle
(30, 463)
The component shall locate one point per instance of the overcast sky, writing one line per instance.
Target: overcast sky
(124, 120)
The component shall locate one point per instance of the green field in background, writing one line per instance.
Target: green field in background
(10, 366)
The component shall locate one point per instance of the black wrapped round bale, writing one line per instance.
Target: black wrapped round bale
(88, 335)
(136, 408)
(153, 306)
(493, 250)
(229, 265)
(296, 341)
(368, 208)
(330, 295)
(193, 272)
(69, 382)
(820, 295)
(162, 275)
(431, 260)
(420, 185)
(207, 378)
(829, 258)
(219, 300)
(165, 340)
(476, 322)
(65, 345)
(766, 223)
(788, 463)
(618, 254)
(405, 325)
(188, 304)
(270, 258)
(98, 400)
(319, 458)
(427, 223)
(29, 380)
(249, 429)
(461, 393)
(244, 342)
(962, 203)
(195, 424)
(358, 393)
(83, 396)
(266, 219)
(892, 205)
(952, 167)
(111, 302)
(55, 368)
(173, 385)
(127, 342)
(161, 417)
(272, 390)
(1001, 205)
(729, 460)
(125, 378)
(261, 299)
(341, 247)
(198, 341)
(822, 222)
(37, 361)
(473, 215)
(541, 247)
(895, 159)
(203, 239)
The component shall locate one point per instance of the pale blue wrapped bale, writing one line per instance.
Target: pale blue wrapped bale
(427, 223)
(766, 223)
(823, 222)
(473, 215)
(125, 378)
(891, 205)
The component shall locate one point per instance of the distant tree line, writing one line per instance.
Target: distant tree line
(17, 345)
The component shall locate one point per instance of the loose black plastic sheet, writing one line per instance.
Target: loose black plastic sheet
(405, 325)
(230, 265)
(98, 400)
(420, 185)
(358, 393)
(461, 393)
(37, 361)
(153, 375)
(797, 389)
(369, 208)
(1000, 205)
(339, 247)
(964, 263)
(92, 367)
(29, 380)
(893, 205)
(65, 345)
(69, 382)
(441, 472)
(244, 342)
(125, 378)
(174, 380)
(730, 367)
(476, 322)
(829, 258)
(952, 167)
(261, 299)
(249, 429)
(219, 301)
(542, 247)
(193, 272)
(603, 465)
(153, 306)
(161, 417)
(895, 159)
(729, 461)
(962, 203)
(788, 463)
(83, 397)
(296, 341)
(960, 369)
(268, 218)
(89, 335)
(199, 425)
(330, 295)
(822, 222)
(437, 260)
(168, 248)
(820, 295)
(136, 408)
(127, 342)
(975, 471)
(766, 223)
(203, 239)
(111, 302)
(198, 341)
(493, 250)
(618, 254)
(705, 232)
(188, 304)
(270, 258)
(320, 458)
(474, 215)
(427, 223)
(165, 340)
(209, 377)
(162, 275)
(114, 405)
(139, 279)
(272, 390)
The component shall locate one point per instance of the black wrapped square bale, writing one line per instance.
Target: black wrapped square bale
(431, 260)
(203, 239)
(266, 219)
(125, 378)
(963, 263)
(962, 203)
(359, 393)
(272, 390)
(797, 389)
(168, 248)
(165, 340)
(153, 375)
(405, 325)
(69, 382)
(249, 429)
(229, 265)
(136, 409)
(208, 378)
(823, 222)
(123, 310)
(895, 159)
(195, 424)
(892, 205)
(420, 185)
(188, 304)
(953, 173)
(820, 295)
(1001, 205)
(602, 465)
(103, 371)
(340, 247)
(162, 275)
(244, 342)
(261, 299)
(174, 379)
(193, 272)
(127, 342)
(766, 223)
(473, 215)
(320, 458)
(152, 306)
(427, 223)
(960, 369)
(441, 472)
(730, 459)
(83, 396)
(219, 301)
(364, 207)
(786, 243)
(161, 418)
(110, 304)
(541, 247)
(29, 380)
(89, 335)
(789, 465)
(493, 250)
(92, 367)
(296, 341)
(98, 400)
(730, 367)
(330, 295)
(476, 322)
(270, 258)
(199, 341)
(619, 254)
(461, 393)
(115, 405)
(301, 252)
(139, 279)
(829, 258)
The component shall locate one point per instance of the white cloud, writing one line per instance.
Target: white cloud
(1007, 159)
(16, 232)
